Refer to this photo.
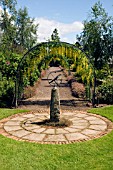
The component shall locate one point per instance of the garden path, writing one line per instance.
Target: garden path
(41, 99)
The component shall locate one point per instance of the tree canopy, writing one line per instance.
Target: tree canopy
(17, 28)
(97, 38)
(55, 36)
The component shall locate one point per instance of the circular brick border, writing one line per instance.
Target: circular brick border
(5, 133)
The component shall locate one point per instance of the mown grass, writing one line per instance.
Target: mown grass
(96, 154)
(8, 112)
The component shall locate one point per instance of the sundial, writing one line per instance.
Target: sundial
(55, 78)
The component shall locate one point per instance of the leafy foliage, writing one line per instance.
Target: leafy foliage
(8, 67)
(26, 30)
(55, 37)
(19, 34)
(96, 37)
(7, 27)
(105, 92)
(18, 29)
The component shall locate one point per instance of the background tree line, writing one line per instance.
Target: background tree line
(96, 40)
(18, 33)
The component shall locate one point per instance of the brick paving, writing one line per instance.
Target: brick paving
(26, 127)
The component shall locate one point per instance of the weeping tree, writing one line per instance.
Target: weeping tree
(96, 39)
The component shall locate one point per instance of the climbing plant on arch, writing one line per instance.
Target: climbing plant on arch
(40, 56)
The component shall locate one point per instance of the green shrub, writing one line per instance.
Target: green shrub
(105, 92)
(6, 92)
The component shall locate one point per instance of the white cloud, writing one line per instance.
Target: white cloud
(67, 32)
(0, 10)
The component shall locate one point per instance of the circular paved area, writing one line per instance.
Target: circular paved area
(85, 126)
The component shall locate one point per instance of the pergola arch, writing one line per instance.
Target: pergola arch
(37, 56)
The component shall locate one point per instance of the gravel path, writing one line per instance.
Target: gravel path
(43, 95)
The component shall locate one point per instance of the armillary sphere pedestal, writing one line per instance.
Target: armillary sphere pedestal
(54, 80)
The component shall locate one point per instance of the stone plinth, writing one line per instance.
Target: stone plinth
(55, 105)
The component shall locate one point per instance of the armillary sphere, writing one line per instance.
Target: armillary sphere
(55, 78)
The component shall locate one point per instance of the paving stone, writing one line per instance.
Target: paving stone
(90, 132)
(55, 138)
(78, 126)
(67, 114)
(12, 123)
(75, 136)
(82, 115)
(20, 133)
(97, 122)
(40, 130)
(28, 115)
(92, 118)
(34, 137)
(34, 120)
(61, 131)
(31, 127)
(12, 128)
(38, 115)
(49, 131)
(98, 127)
(80, 122)
(69, 129)
(76, 118)
(85, 124)
(19, 118)
(27, 122)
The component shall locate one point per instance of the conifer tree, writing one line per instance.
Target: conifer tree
(55, 36)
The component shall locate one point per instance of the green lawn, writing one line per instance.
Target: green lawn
(96, 154)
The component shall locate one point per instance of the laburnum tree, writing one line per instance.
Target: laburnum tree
(96, 38)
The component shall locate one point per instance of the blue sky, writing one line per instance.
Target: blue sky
(65, 15)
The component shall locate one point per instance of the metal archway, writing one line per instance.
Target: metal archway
(48, 46)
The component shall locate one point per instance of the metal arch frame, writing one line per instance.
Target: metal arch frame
(53, 43)
(60, 43)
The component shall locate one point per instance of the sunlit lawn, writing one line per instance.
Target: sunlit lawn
(96, 154)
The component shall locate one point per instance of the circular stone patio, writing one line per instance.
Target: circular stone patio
(85, 126)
